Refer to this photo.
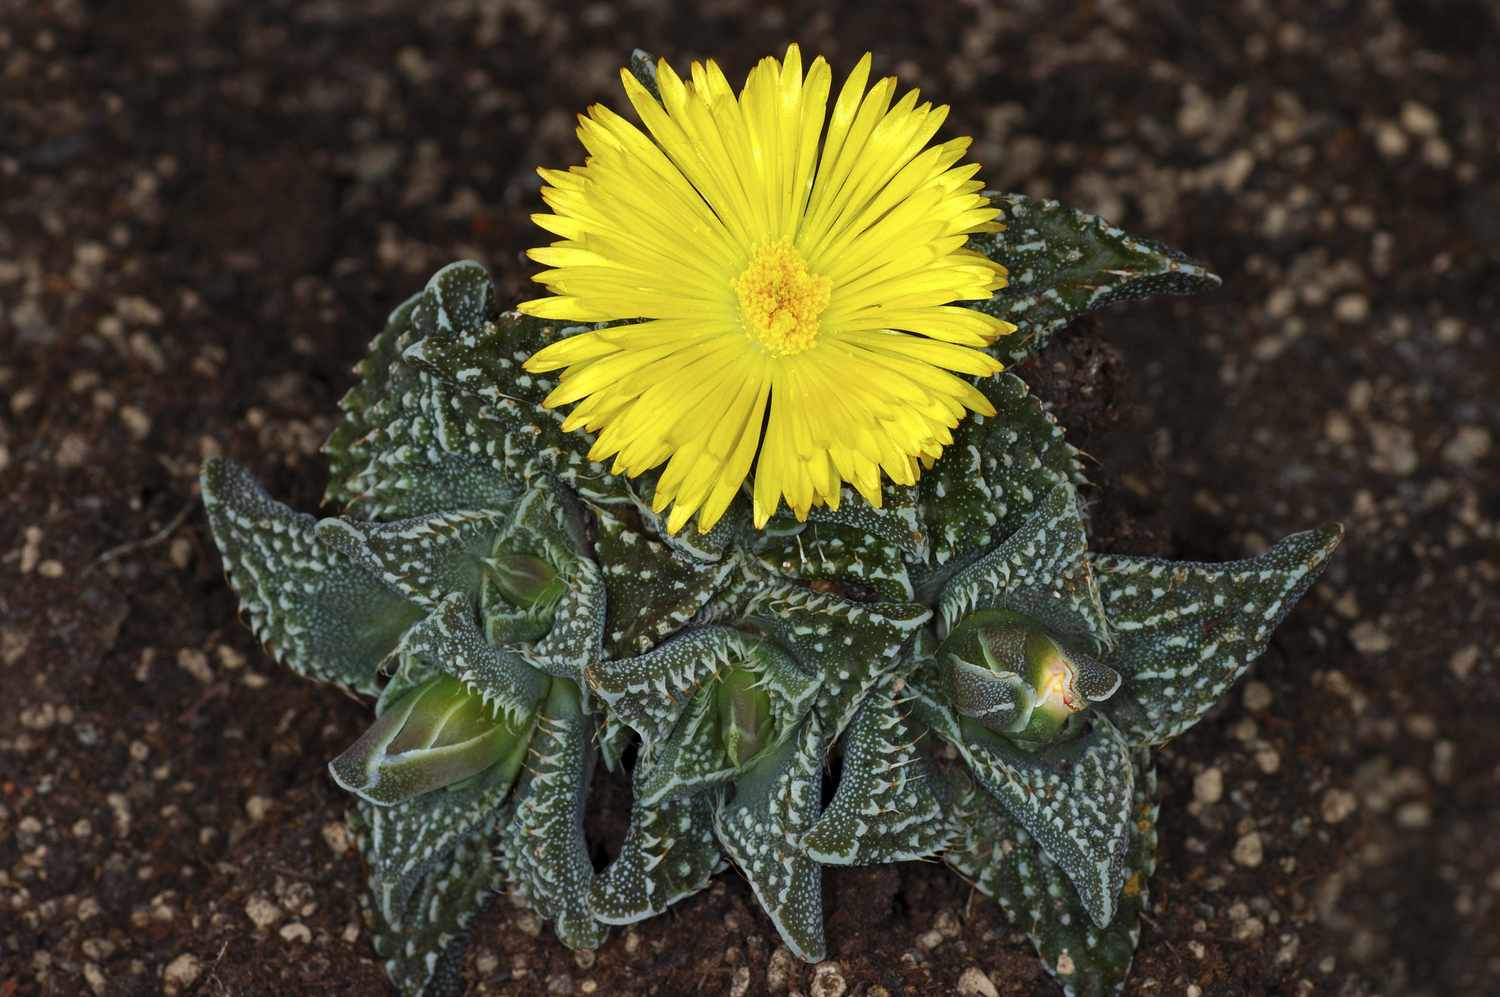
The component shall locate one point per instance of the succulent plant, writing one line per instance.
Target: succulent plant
(986, 688)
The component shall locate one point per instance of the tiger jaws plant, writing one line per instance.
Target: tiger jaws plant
(746, 510)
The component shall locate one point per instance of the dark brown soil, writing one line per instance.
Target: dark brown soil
(207, 207)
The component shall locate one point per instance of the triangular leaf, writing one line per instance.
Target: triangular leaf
(889, 806)
(1005, 862)
(669, 852)
(772, 805)
(1186, 631)
(541, 842)
(1064, 263)
(1041, 572)
(320, 613)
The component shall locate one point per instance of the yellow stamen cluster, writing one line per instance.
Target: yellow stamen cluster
(780, 301)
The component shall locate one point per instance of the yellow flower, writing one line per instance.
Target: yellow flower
(790, 287)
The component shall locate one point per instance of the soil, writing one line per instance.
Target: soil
(206, 208)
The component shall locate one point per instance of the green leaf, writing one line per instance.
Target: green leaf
(424, 558)
(541, 842)
(844, 556)
(669, 852)
(993, 477)
(889, 806)
(652, 691)
(1042, 572)
(1186, 631)
(1064, 263)
(421, 930)
(1073, 796)
(319, 613)
(653, 590)
(449, 641)
(774, 803)
(386, 461)
(849, 645)
(1005, 862)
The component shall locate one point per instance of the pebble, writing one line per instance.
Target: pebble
(974, 983)
(257, 807)
(779, 970)
(1208, 786)
(1249, 851)
(1369, 638)
(296, 932)
(1467, 446)
(1258, 696)
(1338, 804)
(182, 971)
(336, 837)
(262, 912)
(740, 984)
(1418, 119)
(1351, 308)
(1462, 663)
(828, 980)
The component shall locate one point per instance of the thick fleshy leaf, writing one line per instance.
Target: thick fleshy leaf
(691, 758)
(1005, 862)
(320, 613)
(541, 843)
(898, 520)
(993, 477)
(773, 804)
(385, 459)
(408, 840)
(889, 806)
(1064, 263)
(424, 558)
(653, 590)
(650, 692)
(577, 636)
(421, 929)
(850, 645)
(1074, 796)
(843, 557)
(1186, 631)
(1041, 572)
(450, 641)
(669, 852)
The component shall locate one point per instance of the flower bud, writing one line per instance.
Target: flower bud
(520, 594)
(746, 725)
(1010, 676)
(436, 735)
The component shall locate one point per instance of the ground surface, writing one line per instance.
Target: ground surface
(207, 207)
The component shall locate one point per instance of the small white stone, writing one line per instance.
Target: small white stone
(336, 837)
(1462, 663)
(1468, 445)
(1369, 638)
(182, 971)
(262, 912)
(1418, 119)
(779, 970)
(1249, 850)
(1258, 696)
(1351, 307)
(257, 807)
(974, 983)
(1065, 966)
(828, 980)
(296, 932)
(1338, 804)
(1208, 786)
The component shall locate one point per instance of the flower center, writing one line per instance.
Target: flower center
(780, 301)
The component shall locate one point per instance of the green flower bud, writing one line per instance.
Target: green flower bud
(436, 735)
(746, 725)
(1010, 676)
(521, 593)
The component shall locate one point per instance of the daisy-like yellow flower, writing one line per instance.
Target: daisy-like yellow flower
(791, 287)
